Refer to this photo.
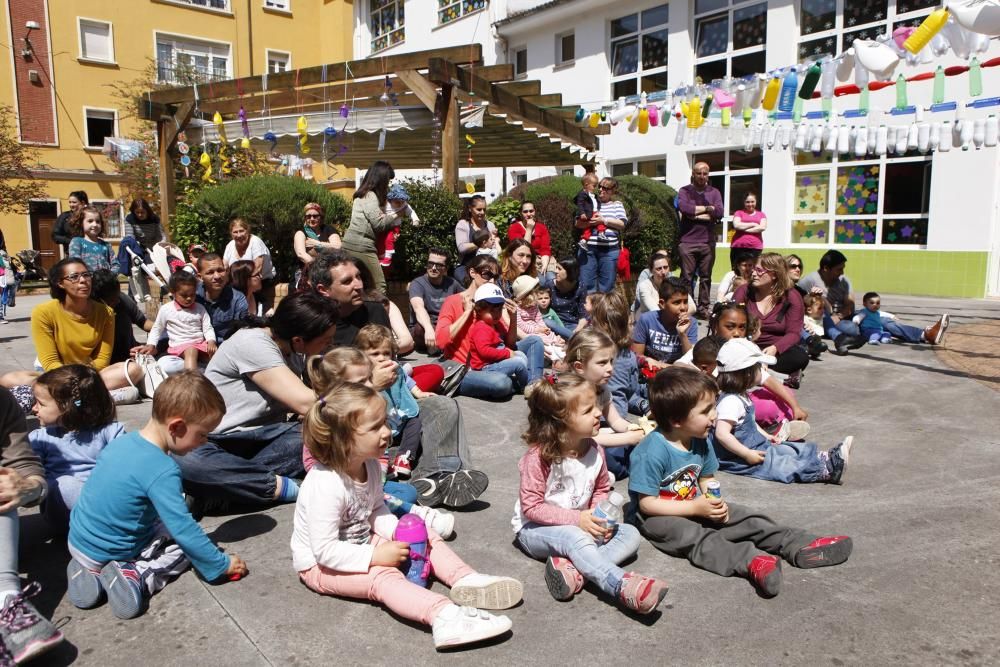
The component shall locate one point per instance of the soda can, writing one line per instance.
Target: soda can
(713, 489)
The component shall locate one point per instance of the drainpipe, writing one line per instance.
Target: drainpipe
(250, 34)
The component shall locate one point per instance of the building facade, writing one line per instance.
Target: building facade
(929, 222)
(59, 75)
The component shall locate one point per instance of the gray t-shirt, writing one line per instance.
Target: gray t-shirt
(433, 295)
(247, 405)
(835, 293)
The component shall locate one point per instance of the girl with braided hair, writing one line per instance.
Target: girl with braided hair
(77, 419)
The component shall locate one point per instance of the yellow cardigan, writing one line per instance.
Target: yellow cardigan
(63, 338)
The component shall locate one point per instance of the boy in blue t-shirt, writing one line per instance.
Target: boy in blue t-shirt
(663, 336)
(131, 533)
(670, 471)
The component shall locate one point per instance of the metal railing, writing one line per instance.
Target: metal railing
(184, 75)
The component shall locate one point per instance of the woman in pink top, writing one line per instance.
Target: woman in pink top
(749, 224)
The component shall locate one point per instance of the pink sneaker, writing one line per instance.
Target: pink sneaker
(562, 578)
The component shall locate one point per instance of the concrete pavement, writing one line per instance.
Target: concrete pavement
(920, 501)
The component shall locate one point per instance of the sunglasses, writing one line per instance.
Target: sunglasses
(77, 277)
(486, 274)
(795, 266)
(605, 187)
(435, 265)
(313, 215)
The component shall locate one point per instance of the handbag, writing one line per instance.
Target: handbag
(624, 267)
(454, 373)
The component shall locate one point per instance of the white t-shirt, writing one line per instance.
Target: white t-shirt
(731, 408)
(255, 249)
(570, 485)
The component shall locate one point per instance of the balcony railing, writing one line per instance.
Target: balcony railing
(181, 75)
(211, 4)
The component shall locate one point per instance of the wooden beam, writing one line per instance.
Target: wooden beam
(425, 91)
(492, 73)
(348, 70)
(332, 94)
(552, 100)
(167, 131)
(448, 112)
(521, 88)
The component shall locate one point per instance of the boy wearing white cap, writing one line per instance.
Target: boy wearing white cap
(743, 448)
(494, 346)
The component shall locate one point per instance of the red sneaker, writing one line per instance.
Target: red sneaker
(562, 578)
(401, 467)
(764, 572)
(824, 551)
(641, 594)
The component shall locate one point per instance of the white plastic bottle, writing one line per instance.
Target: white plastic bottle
(611, 509)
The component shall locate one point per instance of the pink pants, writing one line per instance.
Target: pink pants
(769, 407)
(389, 586)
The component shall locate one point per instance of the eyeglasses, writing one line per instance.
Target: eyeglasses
(313, 215)
(761, 269)
(795, 266)
(77, 277)
(436, 265)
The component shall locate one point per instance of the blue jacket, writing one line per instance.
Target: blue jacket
(626, 393)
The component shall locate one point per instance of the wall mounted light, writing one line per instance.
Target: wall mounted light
(28, 49)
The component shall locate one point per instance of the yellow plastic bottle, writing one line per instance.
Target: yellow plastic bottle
(694, 112)
(925, 32)
(771, 93)
(643, 121)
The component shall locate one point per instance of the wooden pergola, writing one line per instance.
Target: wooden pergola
(518, 124)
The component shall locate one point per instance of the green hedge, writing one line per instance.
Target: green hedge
(438, 209)
(272, 205)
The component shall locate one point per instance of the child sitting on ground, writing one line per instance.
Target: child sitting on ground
(342, 540)
(486, 242)
(812, 325)
(88, 245)
(880, 326)
(493, 345)
(131, 533)
(743, 448)
(563, 478)
(588, 206)
(663, 336)
(671, 470)
(543, 299)
(529, 318)
(78, 421)
(397, 201)
(189, 328)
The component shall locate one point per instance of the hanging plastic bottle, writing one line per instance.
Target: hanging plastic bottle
(643, 120)
(979, 133)
(913, 137)
(771, 93)
(797, 110)
(947, 137)
(930, 26)
(595, 119)
(966, 133)
(726, 116)
(901, 98)
(801, 136)
(923, 137)
(755, 91)
(872, 137)
(863, 100)
(881, 140)
(705, 110)
(694, 118)
(789, 86)
(861, 142)
(992, 131)
(938, 85)
(828, 81)
(654, 115)
(747, 116)
(844, 140)
(935, 137)
(975, 78)
(816, 142)
(831, 139)
(810, 82)
(580, 115)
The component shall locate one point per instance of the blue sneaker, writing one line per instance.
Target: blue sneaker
(83, 586)
(124, 587)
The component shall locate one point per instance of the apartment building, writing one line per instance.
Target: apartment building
(931, 221)
(64, 56)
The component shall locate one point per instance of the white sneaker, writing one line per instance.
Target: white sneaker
(125, 396)
(442, 523)
(153, 376)
(456, 625)
(484, 591)
(798, 430)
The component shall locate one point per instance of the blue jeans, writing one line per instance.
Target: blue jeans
(842, 327)
(597, 563)
(598, 267)
(515, 366)
(560, 330)
(904, 331)
(64, 492)
(534, 349)
(242, 466)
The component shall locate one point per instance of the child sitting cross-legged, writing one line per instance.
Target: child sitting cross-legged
(494, 346)
(671, 469)
(130, 533)
(663, 336)
(343, 536)
(563, 478)
(529, 318)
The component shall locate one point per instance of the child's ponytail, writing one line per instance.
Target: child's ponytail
(83, 399)
(550, 401)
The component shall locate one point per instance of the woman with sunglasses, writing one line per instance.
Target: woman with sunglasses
(314, 237)
(72, 328)
(772, 299)
(452, 336)
(535, 232)
(598, 255)
(794, 265)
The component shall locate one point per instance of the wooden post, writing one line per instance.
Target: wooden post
(165, 136)
(449, 137)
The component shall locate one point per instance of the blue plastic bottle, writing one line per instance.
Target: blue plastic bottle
(788, 88)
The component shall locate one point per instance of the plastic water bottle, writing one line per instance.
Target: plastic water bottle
(412, 530)
(789, 86)
(611, 509)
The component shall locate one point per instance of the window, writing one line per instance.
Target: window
(520, 62)
(111, 211)
(183, 61)
(211, 4)
(452, 10)
(652, 168)
(386, 22)
(281, 5)
(831, 26)
(100, 124)
(518, 178)
(729, 38)
(881, 201)
(566, 171)
(638, 51)
(734, 173)
(278, 61)
(565, 48)
(96, 41)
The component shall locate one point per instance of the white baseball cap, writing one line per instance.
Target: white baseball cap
(739, 353)
(489, 293)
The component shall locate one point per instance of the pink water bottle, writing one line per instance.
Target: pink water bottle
(412, 530)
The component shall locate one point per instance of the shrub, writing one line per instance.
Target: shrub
(500, 213)
(652, 217)
(438, 209)
(271, 204)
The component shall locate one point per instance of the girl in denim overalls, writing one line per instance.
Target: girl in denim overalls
(743, 448)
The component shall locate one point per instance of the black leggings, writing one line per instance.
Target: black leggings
(791, 360)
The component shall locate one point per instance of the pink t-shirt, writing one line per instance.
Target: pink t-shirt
(743, 239)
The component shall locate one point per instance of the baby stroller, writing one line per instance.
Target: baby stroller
(26, 263)
(137, 264)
